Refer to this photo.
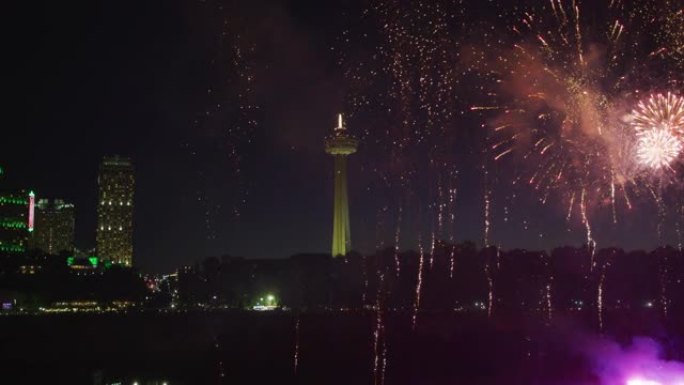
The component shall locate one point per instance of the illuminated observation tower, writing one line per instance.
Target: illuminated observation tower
(340, 144)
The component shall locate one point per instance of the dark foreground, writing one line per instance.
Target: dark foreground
(326, 348)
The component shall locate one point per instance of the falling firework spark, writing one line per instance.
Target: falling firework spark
(379, 228)
(441, 207)
(397, 233)
(433, 242)
(403, 75)
(487, 213)
(663, 280)
(612, 199)
(379, 349)
(549, 299)
(572, 203)
(419, 283)
(452, 261)
(383, 368)
(490, 289)
(364, 273)
(295, 355)
(452, 219)
(599, 299)
(228, 120)
(498, 258)
(678, 230)
(591, 244)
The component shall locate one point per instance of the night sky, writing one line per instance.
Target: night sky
(144, 78)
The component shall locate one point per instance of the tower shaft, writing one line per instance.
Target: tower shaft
(341, 235)
(340, 144)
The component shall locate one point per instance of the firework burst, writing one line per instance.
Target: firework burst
(658, 123)
(658, 148)
(561, 91)
(660, 112)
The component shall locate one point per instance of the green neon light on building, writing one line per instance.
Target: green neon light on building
(13, 200)
(12, 224)
(93, 261)
(11, 248)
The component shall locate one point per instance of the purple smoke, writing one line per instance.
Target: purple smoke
(640, 363)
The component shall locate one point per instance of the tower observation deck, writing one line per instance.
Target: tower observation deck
(340, 144)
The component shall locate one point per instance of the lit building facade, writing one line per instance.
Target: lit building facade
(116, 183)
(16, 220)
(54, 226)
(340, 145)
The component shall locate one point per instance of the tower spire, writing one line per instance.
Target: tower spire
(340, 123)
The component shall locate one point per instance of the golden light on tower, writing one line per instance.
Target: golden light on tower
(340, 144)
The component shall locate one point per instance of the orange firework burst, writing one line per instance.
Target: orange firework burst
(559, 103)
(559, 91)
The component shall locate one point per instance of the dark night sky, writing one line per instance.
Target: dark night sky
(131, 78)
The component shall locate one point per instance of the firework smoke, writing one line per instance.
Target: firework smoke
(638, 364)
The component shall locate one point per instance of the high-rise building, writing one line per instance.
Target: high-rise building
(54, 226)
(16, 220)
(115, 210)
(340, 145)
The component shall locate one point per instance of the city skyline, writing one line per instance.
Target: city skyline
(228, 154)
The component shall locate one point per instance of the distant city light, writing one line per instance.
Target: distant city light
(267, 302)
